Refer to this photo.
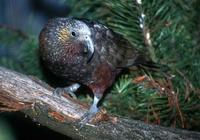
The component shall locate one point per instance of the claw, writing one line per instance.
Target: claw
(58, 92)
(69, 90)
(87, 117)
(73, 95)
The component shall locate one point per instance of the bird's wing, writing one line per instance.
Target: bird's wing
(112, 47)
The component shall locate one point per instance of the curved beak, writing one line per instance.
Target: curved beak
(89, 48)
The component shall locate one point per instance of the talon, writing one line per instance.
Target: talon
(58, 92)
(87, 117)
(69, 90)
(73, 95)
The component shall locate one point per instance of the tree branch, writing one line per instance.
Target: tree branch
(19, 92)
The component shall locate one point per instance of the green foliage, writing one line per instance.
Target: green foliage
(153, 102)
(9, 40)
(25, 58)
(171, 42)
(30, 60)
(170, 35)
(6, 132)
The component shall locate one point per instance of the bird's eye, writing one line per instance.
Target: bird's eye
(73, 34)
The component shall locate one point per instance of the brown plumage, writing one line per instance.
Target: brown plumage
(87, 53)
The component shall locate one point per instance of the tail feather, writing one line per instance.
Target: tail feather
(145, 62)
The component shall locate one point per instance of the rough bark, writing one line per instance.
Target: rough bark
(19, 92)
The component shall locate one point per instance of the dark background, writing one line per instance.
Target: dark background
(29, 16)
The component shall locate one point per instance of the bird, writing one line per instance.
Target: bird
(87, 53)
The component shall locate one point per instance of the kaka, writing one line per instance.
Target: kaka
(86, 53)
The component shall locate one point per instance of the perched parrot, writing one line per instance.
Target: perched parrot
(86, 53)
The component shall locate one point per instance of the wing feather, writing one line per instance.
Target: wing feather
(112, 47)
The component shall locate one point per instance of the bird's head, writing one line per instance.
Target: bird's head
(68, 34)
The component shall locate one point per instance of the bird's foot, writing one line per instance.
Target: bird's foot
(69, 90)
(89, 116)
(58, 92)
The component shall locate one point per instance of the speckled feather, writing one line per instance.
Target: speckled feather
(112, 47)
